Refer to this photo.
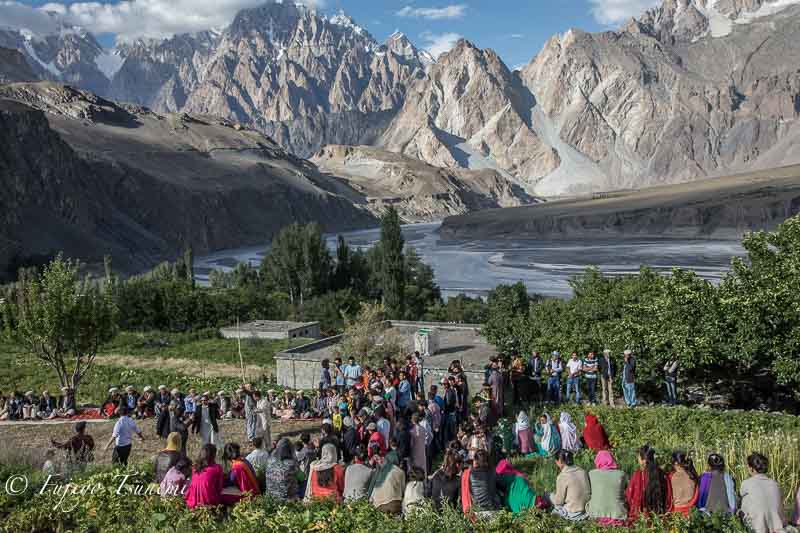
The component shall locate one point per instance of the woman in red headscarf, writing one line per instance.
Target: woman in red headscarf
(594, 434)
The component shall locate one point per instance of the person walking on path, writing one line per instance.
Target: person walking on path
(608, 371)
(629, 379)
(122, 436)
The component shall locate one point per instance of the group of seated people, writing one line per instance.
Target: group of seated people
(475, 480)
(32, 406)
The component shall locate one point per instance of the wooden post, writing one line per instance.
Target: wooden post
(239, 342)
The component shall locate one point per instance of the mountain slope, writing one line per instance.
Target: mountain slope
(14, 67)
(90, 177)
(420, 192)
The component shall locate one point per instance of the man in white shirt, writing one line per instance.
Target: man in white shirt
(574, 368)
(122, 436)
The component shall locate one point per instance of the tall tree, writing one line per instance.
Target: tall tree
(61, 319)
(298, 263)
(393, 271)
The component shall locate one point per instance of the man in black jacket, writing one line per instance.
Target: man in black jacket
(47, 406)
(608, 371)
(208, 434)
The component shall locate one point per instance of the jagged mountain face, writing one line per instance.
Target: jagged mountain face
(646, 108)
(89, 177)
(471, 111)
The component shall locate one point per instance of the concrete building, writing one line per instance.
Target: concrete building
(273, 329)
(299, 368)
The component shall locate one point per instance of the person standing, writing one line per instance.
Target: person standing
(535, 367)
(352, 372)
(629, 378)
(554, 370)
(264, 411)
(590, 368)
(608, 371)
(205, 422)
(250, 413)
(496, 382)
(122, 436)
(574, 368)
(325, 376)
(420, 438)
(671, 381)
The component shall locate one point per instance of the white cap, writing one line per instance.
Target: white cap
(162, 387)
(606, 351)
(221, 393)
(112, 390)
(627, 352)
(29, 393)
(147, 388)
(175, 391)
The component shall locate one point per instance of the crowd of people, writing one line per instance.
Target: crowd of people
(387, 439)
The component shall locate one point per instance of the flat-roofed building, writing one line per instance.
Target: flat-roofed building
(273, 329)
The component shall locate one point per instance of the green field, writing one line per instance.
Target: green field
(194, 350)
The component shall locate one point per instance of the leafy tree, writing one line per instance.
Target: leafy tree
(367, 338)
(298, 263)
(61, 319)
(421, 290)
(760, 302)
(460, 309)
(392, 264)
(506, 304)
(242, 276)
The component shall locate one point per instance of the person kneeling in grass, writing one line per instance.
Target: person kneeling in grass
(717, 488)
(607, 504)
(208, 478)
(762, 501)
(683, 484)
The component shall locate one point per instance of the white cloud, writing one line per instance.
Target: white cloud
(438, 43)
(132, 19)
(617, 11)
(517, 35)
(434, 13)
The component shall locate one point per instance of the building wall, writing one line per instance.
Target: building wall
(298, 373)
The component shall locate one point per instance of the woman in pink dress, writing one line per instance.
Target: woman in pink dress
(205, 489)
(523, 434)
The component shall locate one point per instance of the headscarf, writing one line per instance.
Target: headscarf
(327, 458)
(389, 462)
(523, 422)
(547, 432)
(504, 468)
(173, 442)
(595, 435)
(284, 451)
(605, 461)
(569, 433)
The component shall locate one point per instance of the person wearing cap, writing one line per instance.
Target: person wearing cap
(46, 407)
(66, 404)
(554, 370)
(29, 405)
(608, 371)
(205, 422)
(110, 407)
(146, 406)
(162, 399)
(629, 378)
(122, 437)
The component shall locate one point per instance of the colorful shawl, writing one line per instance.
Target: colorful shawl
(595, 435)
(244, 476)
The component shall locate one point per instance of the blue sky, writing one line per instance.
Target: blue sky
(516, 29)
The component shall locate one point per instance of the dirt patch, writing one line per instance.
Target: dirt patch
(190, 367)
(31, 440)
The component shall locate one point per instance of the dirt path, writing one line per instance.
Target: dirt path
(190, 367)
(26, 442)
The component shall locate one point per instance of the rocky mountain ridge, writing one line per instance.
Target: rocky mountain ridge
(688, 90)
(83, 175)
